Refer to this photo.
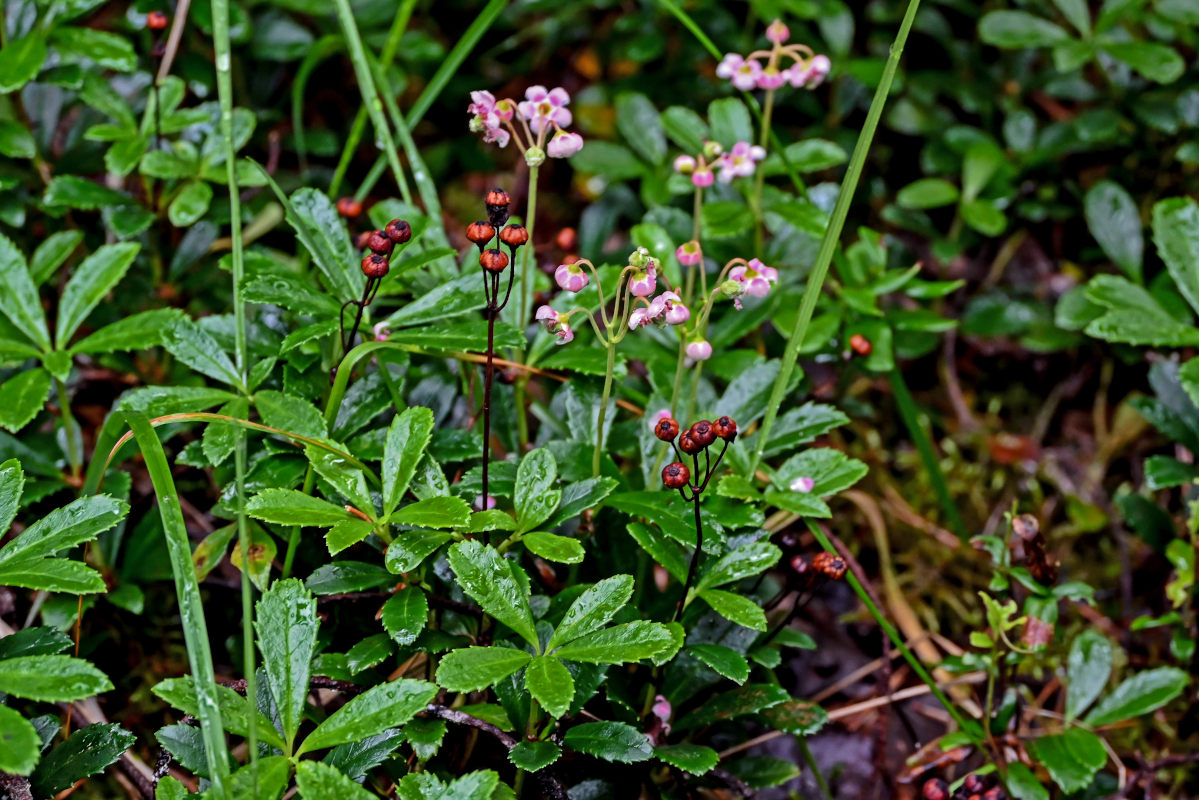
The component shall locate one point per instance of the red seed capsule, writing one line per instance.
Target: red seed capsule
(497, 206)
(374, 265)
(493, 260)
(995, 793)
(666, 429)
(974, 784)
(514, 235)
(702, 433)
(497, 197)
(379, 243)
(688, 444)
(935, 789)
(831, 566)
(348, 207)
(725, 428)
(398, 231)
(157, 20)
(675, 475)
(566, 239)
(481, 233)
(860, 344)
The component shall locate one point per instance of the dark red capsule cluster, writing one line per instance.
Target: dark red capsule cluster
(692, 442)
(973, 787)
(806, 573)
(381, 243)
(485, 232)
(157, 20)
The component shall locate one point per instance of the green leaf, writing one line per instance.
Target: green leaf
(21, 60)
(412, 547)
(289, 507)
(268, 782)
(1077, 13)
(81, 521)
(725, 218)
(1115, 223)
(407, 439)
(831, 469)
(347, 576)
(638, 122)
(289, 413)
(691, 758)
(1157, 62)
(287, 625)
(1024, 784)
(86, 752)
(611, 741)
(405, 614)
(663, 550)
(593, 609)
(1017, 30)
(685, 128)
(374, 711)
(195, 347)
(1088, 667)
(723, 660)
(345, 478)
(434, 512)
(52, 679)
(473, 668)
(761, 772)
(106, 49)
(319, 781)
(89, 283)
(730, 121)
(927, 193)
(552, 547)
(20, 745)
(535, 496)
(580, 496)
(1142, 693)
(797, 717)
(347, 533)
(1072, 758)
(191, 204)
(12, 484)
(15, 140)
(1176, 233)
(550, 683)
(73, 191)
(22, 397)
(534, 756)
(54, 250)
(983, 216)
(747, 560)
(136, 332)
(1163, 472)
(735, 608)
(620, 644)
(53, 575)
(18, 295)
(487, 577)
(814, 155)
(611, 161)
(748, 699)
(235, 709)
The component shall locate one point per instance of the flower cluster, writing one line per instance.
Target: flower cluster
(974, 786)
(806, 70)
(543, 113)
(738, 162)
(751, 278)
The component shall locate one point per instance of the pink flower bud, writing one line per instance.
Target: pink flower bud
(479, 504)
(684, 165)
(677, 313)
(381, 330)
(570, 277)
(703, 177)
(689, 253)
(777, 32)
(564, 145)
(802, 485)
(564, 333)
(643, 283)
(700, 350)
(770, 78)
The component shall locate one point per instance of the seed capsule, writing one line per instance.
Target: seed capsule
(725, 428)
(494, 260)
(675, 475)
(935, 789)
(974, 784)
(348, 207)
(666, 429)
(703, 433)
(374, 265)
(361, 239)
(567, 238)
(398, 231)
(481, 233)
(514, 235)
(157, 20)
(995, 793)
(379, 243)
(688, 444)
(497, 206)
(831, 566)
(860, 344)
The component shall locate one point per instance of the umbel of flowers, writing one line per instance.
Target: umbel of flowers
(537, 124)
(783, 64)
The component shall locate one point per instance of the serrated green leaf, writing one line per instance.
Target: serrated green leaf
(611, 741)
(407, 439)
(434, 512)
(593, 609)
(22, 397)
(747, 560)
(319, 781)
(52, 679)
(535, 495)
(552, 547)
(735, 608)
(632, 641)
(287, 624)
(377, 709)
(551, 684)
(723, 660)
(20, 745)
(405, 615)
(487, 577)
(473, 668)
(18, 294)
(87, 751)
(691, 758)
(289, 507)
(533, 756)
(195, 347)
(136, 332)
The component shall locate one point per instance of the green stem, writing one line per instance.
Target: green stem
(224, 56)
(828, 245)
(760, 174)
(813, 767)
(71, 427)
(697, 208)
(970, 728)
(911, 419)
(526, 265)
(603, 410)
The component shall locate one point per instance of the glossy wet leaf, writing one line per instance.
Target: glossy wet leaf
(593, 609)
(21, 60)
(319, 781)
(235, 709)
(407, 438)
(473, 668)
(1088, 668)
(20, 745)
(552, 547)
(341, 577)
(487, 577)
(747, 560)
(345, 478)
(735, 608)
(87, 751)
(405, 615)
(1142, 693)
(434, 512)
(80, 521)
(12, 483)
(195, 347)
(632, 641)
(290, 507)
(536, 495)
(611, 741)
(1072, 758)
(289, 413)
(287, 624)
(551, 684)
(748, 699)
(52, 678)
(410, 548)
(135, 332)
(723, 660)
(533, 756)
(379, 708)
(89, 283)
(690, 758)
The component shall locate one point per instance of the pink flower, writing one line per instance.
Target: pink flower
(489, 116)
(777, 32)
(381, 330)
(498, 135)
(684, 165)
(809, 75)
(662, 710)
(556, 323)
(803, 485)
(740, 161)
(756, 277)
(542, 108)
(742, 73)
(479, 504)
(703, 177)
(639, 317)
(564, 145)
(699, 350)
(771, 78)
(565, 334)
(672, 308)
(689, 253)
(571, 277)
(644, 282)
(654, 419)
